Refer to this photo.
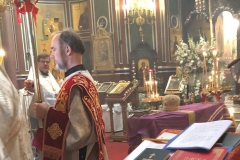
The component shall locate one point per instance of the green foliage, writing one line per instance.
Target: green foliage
(190, 55)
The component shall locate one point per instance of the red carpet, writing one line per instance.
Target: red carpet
(116, 150)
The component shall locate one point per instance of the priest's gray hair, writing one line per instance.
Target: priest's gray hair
(71, 38)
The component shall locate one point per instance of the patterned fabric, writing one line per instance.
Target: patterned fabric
(57, 120)
(14, 136)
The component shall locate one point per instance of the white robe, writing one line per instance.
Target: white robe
(14, 137)
(49, 86)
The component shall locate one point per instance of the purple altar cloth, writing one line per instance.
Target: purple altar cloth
(152, 125)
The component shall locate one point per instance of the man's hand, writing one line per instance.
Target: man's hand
(40, 109)
(29, 85)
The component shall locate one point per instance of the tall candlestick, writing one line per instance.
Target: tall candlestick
(209, 82)
(147, 88)
(212, 80)
(150, 73)
(144, 76)
(156, 88)
(215, 67)
(218, 74)
(204, 68)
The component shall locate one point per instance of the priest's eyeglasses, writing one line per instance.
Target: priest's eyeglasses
(45, 62)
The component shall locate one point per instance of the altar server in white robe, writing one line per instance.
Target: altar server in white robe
(14, 137)
(48, 84)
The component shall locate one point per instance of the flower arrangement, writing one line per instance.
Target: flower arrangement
(191, 56)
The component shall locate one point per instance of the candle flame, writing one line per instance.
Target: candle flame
(214, 52)
(204, 54)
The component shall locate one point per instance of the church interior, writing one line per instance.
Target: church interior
(157, 64)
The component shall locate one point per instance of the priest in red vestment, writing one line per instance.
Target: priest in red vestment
(73, 129)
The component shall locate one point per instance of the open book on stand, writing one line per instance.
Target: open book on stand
(199, 135)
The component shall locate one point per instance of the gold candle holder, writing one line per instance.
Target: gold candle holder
(215, 67)
(204, 74)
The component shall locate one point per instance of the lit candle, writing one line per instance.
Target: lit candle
(152, 96)
(214, 53)
(156, 83)
(150, 73)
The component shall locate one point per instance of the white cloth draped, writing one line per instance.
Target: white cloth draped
(117, 116)
(14, 136)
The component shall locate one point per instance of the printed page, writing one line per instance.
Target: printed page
(201, 135)
(145, 144)
(166, 135)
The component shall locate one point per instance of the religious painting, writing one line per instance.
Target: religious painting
(120, 88)
(226, 27)
(98, 85)
(199, 27)
(104, 87)
(219, 33)
(174, 21)
(174, 85)
(143, 64)
(111, 87)
(175, 37)
(174, 13)
(102, 51)
(51, 18)
(79, 15)
(102, 22)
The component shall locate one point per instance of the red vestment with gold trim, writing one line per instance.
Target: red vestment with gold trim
(51, 139)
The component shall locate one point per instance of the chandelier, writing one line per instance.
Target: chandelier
(140, 12)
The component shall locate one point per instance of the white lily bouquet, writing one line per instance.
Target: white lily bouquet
(191, 56)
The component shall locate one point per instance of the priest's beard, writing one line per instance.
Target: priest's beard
(61, 64)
